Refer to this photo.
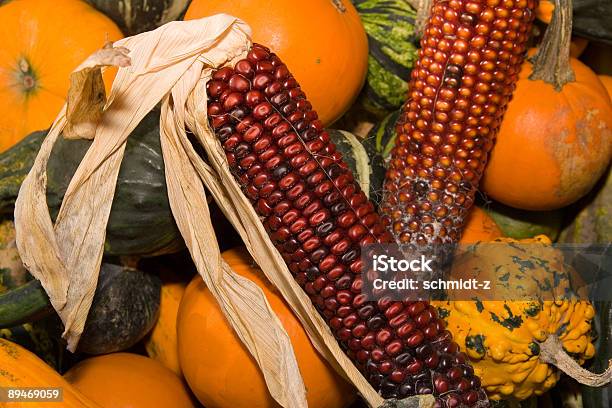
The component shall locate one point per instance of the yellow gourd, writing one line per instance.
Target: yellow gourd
(519, 330)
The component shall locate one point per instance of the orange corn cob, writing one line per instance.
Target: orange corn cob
(318, 218)
(471, 54)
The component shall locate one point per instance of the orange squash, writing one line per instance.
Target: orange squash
(161, 344)
(606, 80)
(479, 226)
(322, 42)
(552, 146)
(124, 380)
(220, 370)
(43, 41)
(19, 368)
(544, 11)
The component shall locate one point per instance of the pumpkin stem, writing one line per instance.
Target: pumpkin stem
(24, 65)
(339, 5)
(28, 80)
(551, 352)
(551, 63)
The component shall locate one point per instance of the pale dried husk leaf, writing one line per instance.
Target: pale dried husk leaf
(86, 95)
(171, 65)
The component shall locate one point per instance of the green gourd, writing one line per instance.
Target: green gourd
(141, 222)
(393, 43)
(137, 16)
(124, 309)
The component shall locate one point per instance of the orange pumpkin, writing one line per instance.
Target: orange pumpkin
(20, 368)
(43, 41)
(161, 344)
(479, 226)
(220, 370)
(606, 80)
(545, 10)
(322, 42)
(552, 146)
(124, 380)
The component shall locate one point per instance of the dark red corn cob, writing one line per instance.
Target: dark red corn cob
(318, 218)
(471, 54)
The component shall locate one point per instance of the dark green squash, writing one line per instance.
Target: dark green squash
(40, 337)
(521, 224)
(378, 145)
(141, 222)
(591, 19)
(602, 322)
(367, 158)
(591, 218)
(15, 164)
(137, 16)
(22, 304)
(124, 309)
(22, 300)
(355, 155)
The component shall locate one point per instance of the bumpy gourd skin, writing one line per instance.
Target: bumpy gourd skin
(471, 54)
(318, 218)
(502, 337)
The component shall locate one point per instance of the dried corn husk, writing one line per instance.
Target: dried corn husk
(170, 65)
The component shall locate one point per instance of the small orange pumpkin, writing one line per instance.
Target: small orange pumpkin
(124, 380)
(479, 226)
(43, 41)
(323, 43)
(220, 370)
(606, 80)
(20, 368)
(161, 344)
(552, 146)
